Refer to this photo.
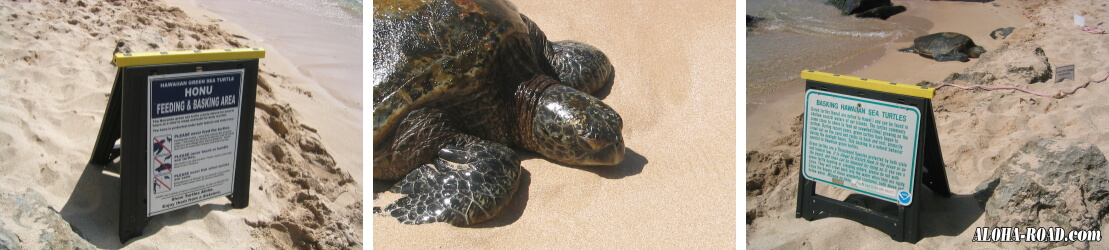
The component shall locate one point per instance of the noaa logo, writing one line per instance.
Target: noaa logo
(904, 197)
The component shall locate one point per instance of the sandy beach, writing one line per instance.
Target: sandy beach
(306, 185)
(675, 90)
(979, 130)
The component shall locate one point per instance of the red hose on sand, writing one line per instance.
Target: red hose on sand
(1060, 95)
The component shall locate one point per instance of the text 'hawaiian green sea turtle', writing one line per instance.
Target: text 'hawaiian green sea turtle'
(458, 84)
(946, 46)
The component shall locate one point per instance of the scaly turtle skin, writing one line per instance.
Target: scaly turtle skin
(945, 46)
(458, 84)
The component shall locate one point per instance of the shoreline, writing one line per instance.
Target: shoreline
(338, 125)
(324, 41)
(886, 63)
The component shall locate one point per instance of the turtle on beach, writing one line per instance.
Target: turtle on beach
(945, 46)
(458, 85)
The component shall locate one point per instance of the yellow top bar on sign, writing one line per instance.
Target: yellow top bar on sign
(871, 84)
(186, 56)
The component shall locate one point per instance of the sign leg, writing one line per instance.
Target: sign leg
(935, 176)
(102, 151)
(132, 172)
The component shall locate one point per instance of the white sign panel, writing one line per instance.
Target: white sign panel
(864, 145)
(194, 126)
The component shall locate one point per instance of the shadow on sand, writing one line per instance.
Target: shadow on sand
(939, 216)
(632, 165)
(93, 209)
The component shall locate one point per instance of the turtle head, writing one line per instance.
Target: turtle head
(976, 51)
(574, 128)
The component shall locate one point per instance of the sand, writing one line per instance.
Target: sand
(675, 90)
(978, 130)
(306, 184)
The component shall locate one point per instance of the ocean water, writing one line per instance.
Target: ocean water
(327, 9)
(807, 34)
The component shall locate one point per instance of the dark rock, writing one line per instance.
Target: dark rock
(752, 22)
(1050, 183)
(1009, 65)
(851, 7)
(36, 224)
(884, 12)
(1001, 32)
(867, 8)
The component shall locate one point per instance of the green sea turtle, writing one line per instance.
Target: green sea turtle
(945, 46)
(458, 84)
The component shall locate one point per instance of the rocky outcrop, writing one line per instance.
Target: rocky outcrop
(771, 168)
(868, 8)
(772, 173)
(1051, 183)
(27, 222)
(1009, 65)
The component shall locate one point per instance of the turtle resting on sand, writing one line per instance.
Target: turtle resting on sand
(458, 84)
(945, 46)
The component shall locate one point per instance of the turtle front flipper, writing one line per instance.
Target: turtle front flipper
(581, 66)
(451, 176)
(466, 183)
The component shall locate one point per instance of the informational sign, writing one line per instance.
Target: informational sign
(184, 119)
(865, 145)
(872, 137)
(193, 131)
(1064, 72)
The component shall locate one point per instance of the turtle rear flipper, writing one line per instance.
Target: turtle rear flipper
(468, 182)
(908, 50)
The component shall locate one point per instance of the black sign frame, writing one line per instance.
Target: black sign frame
(904, 226)
(125, 119)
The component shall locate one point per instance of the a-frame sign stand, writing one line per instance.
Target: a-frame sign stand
(873, 137)
(184, 120)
